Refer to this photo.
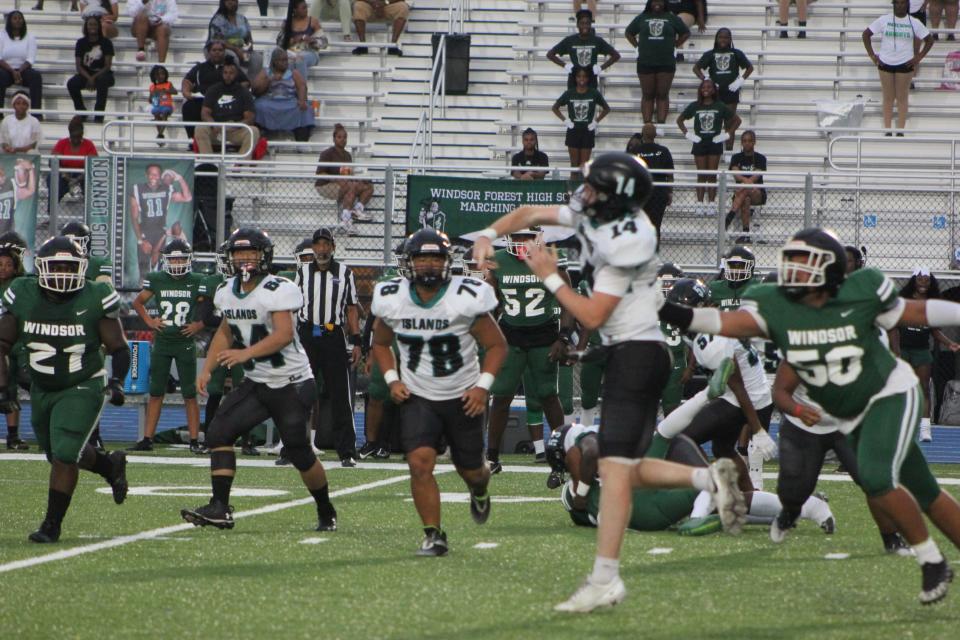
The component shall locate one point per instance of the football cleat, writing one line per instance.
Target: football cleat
(249, 450)
(480, 508)
(594, 596)
(895, 544)
(936, 581)
(434, 545)
(198, 449)
(701, 526)
(829, 526)
(142, 445)
(554, 480)
(780, 525)
(16, 444)
(540, 458)
(383, 453)
(348, 462)
(213, 513)
(368, 449)
(326, 518)
(727, 496)
(47, 533)
(282, 461)
(495, 466)
(118, 479)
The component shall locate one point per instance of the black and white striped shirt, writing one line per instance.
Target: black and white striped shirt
(326, 293)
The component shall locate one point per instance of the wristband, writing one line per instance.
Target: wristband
(554, 282)
(485, 381)
(797, 410)
(488, 233)
(583, 489)
(390, 376)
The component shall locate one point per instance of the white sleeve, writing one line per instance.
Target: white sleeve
(218, 298)
(486, 300)
(567, 217)
(632, 249)
(750, 306)
(716, 351)
(32, 49)
(877, 26)
(919, 29)
(134, 7)
(571, 436)
(172, 14)
(351, 288)
(889, 318)
(35, 132)
(286, 297)
(613, 281)
(381, 305)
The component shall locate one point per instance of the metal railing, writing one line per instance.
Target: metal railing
(421, 150)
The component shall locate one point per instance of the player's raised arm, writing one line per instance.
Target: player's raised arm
(733, 324)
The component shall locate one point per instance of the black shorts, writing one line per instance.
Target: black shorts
(704, 148)
(906, 67)
(644, 69)
(720, 422)
(251, 403)
(580, 138)
(426, 423)
(921, 16)
(728, 97)
(634, 378)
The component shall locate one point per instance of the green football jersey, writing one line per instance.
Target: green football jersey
(835, 349)
(62, 337)
(98, 267)
(176, 300)
(584, 289)
(526, 301)
(678, 348)
(728, 297)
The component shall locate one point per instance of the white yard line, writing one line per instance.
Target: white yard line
(164, 531)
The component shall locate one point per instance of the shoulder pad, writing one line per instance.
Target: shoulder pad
(629, 242)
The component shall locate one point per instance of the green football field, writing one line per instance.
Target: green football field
(138, 571)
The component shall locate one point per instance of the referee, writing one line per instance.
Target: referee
(329, 303)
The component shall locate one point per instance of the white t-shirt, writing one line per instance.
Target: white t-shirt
(896, 37)
(19, 133)
(16, 52)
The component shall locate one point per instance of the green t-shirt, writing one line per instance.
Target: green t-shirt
(723, 67)
(98, 267)
(62, 336)
(835, 349)
(581, 107)
(656, 36)
(176, 300)
(707, 119)
(726, 296)
(583, 52)
(525, 301)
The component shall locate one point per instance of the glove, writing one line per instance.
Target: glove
(736, 84)
(692, 137)
(569, 123)
(723, 136)
(568, 67)
(8, 401)
(765, 445)
(597, 70)
(115, 389)
(592, 126)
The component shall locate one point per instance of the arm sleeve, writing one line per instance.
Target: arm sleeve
(877, 25)
(109, 299)
(172, 14)
(688, 111)
(753, 308)
(634, 27)
(559, 49)
(486, 300)
(602, 101)
(351, 288)
(562, 100)
(146, 283)
(704, 61)
(742, 59)
(32, 49)
(567, 217)
(919, 29)
(605, 47)
(889, 318)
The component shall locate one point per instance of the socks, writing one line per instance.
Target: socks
(701, 480)
(428, 529)
(13, 432)
(765, 505)
(221, 488)
(57, 505)
(702, 506)
(924, 423)
(493, 455)
(658, 447)
(102, 466)
(358, 206)
(589, 415)
(605, 570)
(194, 442)
(538, 447)
(730, 216)
(321, 495)
(927, 552)
(755, 466)
(815, 509)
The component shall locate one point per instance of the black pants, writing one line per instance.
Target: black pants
(31, 78)
(328, 359)
(801, 458)
(191, 113)
(253, 402)
(635, 375)
(720, 422)
(102, 84)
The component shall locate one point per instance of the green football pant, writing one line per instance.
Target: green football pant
(591, 376)
(378, 388)
(656, 510)
(536, 360)
(673, 392)
(219, 376)
(887, 452)
(162, 356)
(63, 420)
(565, 388)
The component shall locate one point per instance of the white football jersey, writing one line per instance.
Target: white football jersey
(250, 320)
(710, 352)
(576, 432)
(438, 354)
(623, 257)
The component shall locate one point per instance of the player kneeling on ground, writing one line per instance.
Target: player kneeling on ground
(438, 321)
(64, 319)
(257, 332)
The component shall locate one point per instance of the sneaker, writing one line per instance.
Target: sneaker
(540, 458)
(118, 479)
(593, 596)
(348, 462)
(213, 513)
(47, 533)
(327, 521)
(701, 526)
(727, 496)
(198, 449)
(495, 466)
(434, 545)
(142, 445)
(282, 461)
(360, 216)
(480, 508)
(554, 480)
(829, 524)
(361, 51)
(141, 55)
(895, 544)
(249, 450)
(743, 239)
(936, 580)
(926, 433)
(382, 453)
(16, 444)
(779, 527)
(395, 51)
(368, 449)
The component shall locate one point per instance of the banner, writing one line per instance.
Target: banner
(100, 202)
(458, 206)
(19, 178)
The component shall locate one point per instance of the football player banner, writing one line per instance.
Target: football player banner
(458, 206)
(19, 178)
(100, 202)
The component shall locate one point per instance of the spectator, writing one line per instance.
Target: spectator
(94, 58)
(152, 19)
(655, 33)
(282, 102)
(203, 76)
(109, 13)
(234, 30)
(73, 146)
(302, 37)
(900, 52)
(584, 49)
(18, 54)
(713, 123)
(753, 165)
(161, 96)
(228, 101)
(21, 133)
(949, 9)
(723, 63)
(386, 10)
(352, 196)
(918, 9)
(784, 20)
(582, 118)
(334, 10)
(657, 157)
(690, 11)
(591, 7)
(530, 156)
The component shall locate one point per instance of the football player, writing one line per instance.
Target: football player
(257, 331)
(825, 324)
(439, 320)
(682, 365)
(12, 249)
(64, 319)
(98, 269)
(736, 274)
(618, 249)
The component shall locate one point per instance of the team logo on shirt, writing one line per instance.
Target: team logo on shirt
(656, 28)
(584, 56)
(581, 110)
(723, 61)
(707, 120)
(225, 100)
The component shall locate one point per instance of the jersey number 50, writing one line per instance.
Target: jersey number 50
(842, 365)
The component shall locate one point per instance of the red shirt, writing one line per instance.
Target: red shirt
(64, 148)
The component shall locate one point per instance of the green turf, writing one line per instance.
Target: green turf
(258, 580)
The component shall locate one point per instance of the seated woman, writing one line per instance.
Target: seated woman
(233, 29)
(109, 12)
(302, 37)
(281, 103)
(18, 53)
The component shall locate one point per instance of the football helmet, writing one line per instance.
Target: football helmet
(60, 265)
(303, 252)
(472, 268)
(246, 238)
(429, 242)
(224, 267)
(621, 184)
(556, 456)
(738, 264)
(517, 241)
(812, 259)
(690, 292)
(403, 266)
(667, 275)
(78, 232)
(177, 257)
(857, 255)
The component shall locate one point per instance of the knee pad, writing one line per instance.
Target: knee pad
(223, 460)
(218, 435)
(302, 458)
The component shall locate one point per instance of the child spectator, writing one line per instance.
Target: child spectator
(751, 194)
(723, 63)
(161, 96)
(582, 118)
(713, 123)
